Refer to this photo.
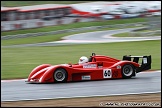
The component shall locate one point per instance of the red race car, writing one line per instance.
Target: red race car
(96, 67)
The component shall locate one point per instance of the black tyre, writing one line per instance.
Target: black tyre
(60, 75)
(128, 71)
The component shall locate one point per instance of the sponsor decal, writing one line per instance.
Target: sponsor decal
(100, 66)
(86, 77)
(118, 67)
(115, 74)
(107, 73)
(144, 60)
(90, 66)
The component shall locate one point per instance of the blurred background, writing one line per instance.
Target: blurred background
(37, 22)
(17, 15)
(33, 33)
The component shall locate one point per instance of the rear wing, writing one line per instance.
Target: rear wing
(146, 62)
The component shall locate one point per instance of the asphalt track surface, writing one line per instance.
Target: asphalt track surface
(144, 82)
(92, 37)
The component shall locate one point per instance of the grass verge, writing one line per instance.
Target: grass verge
(73, 25)
(28, 3)
(46, 38)
(18, 62)
(127, 34)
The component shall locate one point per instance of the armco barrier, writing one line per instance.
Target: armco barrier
(17, 26)
(2, 28)
(59, 21)
(71, 30)
(36, 23)
(39, 24)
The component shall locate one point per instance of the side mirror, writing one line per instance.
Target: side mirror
(93, 54)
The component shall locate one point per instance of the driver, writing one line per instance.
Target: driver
(83, 59)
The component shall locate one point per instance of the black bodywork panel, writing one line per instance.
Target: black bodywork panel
(146, 62)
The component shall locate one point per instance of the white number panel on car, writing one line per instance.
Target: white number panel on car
(107, 73)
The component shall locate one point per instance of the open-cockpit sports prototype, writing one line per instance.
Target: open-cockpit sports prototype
(96, 67)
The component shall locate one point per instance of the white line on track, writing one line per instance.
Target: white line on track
(80, 96)
(13, 80)
(87, 96)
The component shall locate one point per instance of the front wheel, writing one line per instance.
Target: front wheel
(128, 71)
(60, 75)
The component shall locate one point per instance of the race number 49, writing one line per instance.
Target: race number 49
(107, 73)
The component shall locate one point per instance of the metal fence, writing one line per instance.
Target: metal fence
(154, 22)
(72, 30)
(36, 23)
(153, 27)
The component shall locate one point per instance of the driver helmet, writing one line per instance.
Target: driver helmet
(83, 59)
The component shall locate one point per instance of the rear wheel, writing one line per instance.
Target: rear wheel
(128, 71)
(60, 75)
